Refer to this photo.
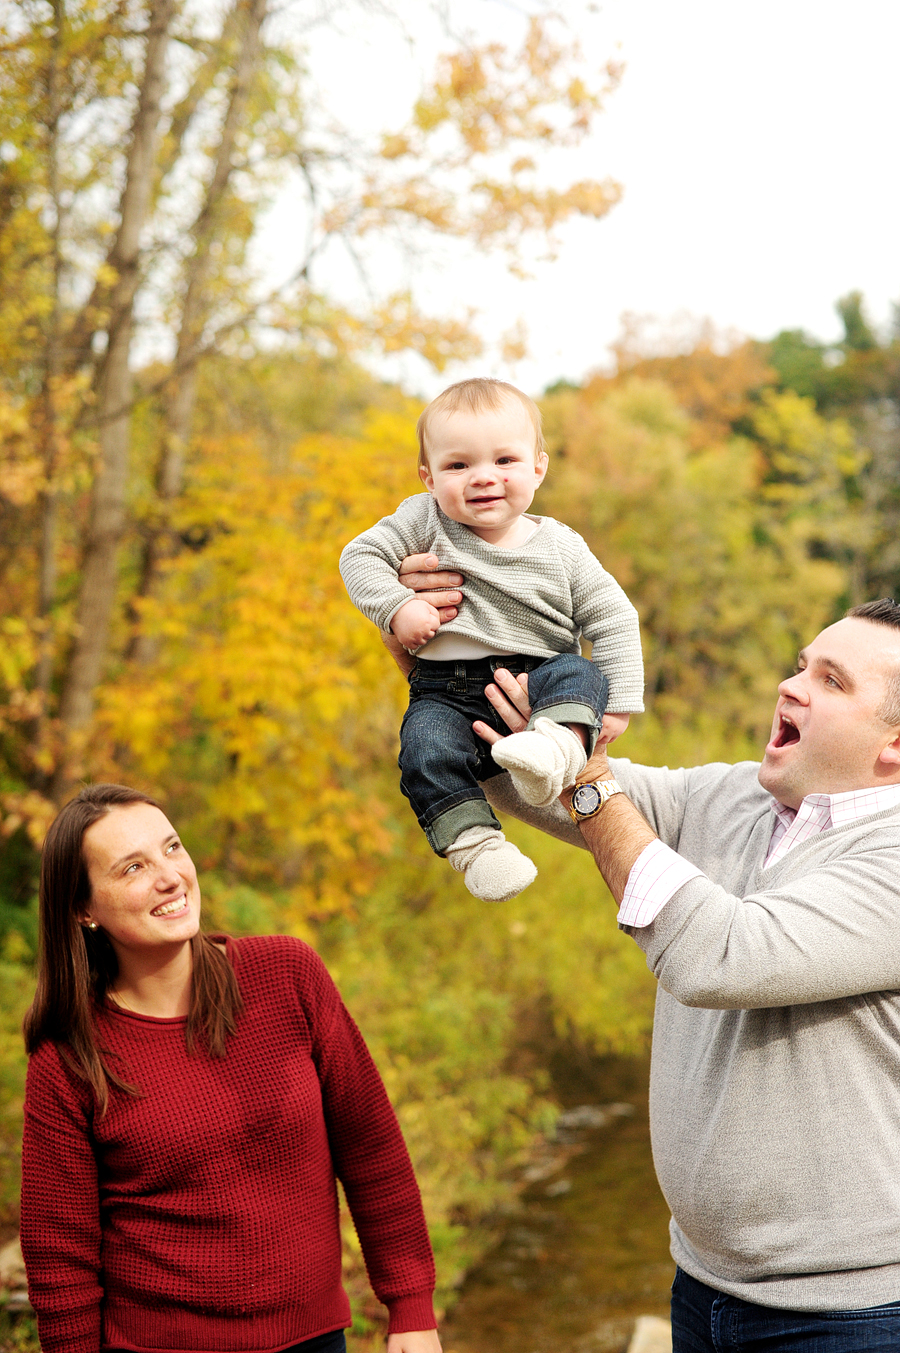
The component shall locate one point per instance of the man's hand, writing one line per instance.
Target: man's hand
(418, 1341)
(509, 696)
(415, 623)
(417, 572)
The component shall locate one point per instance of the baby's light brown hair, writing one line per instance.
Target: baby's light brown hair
(475, 396)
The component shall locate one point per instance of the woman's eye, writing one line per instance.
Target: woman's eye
(175, 845)
(131, 867)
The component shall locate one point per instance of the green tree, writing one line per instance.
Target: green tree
(857, 380)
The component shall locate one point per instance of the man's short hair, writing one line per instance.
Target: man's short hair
(475, 396)
(885, 611)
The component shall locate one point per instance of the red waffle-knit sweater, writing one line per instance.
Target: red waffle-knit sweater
(202, 1217)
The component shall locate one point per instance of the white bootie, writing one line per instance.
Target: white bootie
(541, 761)
(493, 868)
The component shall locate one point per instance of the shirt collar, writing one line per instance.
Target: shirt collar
(839, 809)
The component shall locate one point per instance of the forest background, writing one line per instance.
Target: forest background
(182, 457)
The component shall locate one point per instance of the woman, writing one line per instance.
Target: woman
(189, 1103)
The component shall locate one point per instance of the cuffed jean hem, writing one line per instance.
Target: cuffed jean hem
(443, 830)
(571, 713)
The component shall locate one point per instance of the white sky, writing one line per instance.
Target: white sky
(757, 146)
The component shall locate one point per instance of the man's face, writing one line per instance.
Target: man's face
(827, 736)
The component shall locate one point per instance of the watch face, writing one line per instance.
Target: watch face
(586, 799)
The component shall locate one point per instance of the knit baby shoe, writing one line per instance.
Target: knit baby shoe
(541, 761)
(494, 869)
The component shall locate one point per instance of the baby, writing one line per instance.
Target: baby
(532, 589)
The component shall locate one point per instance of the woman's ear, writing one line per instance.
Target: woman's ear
(85, 920)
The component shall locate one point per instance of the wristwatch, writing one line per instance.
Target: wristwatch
(587, 800)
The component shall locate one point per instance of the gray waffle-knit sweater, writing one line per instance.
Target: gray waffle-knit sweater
(537, 599)
(775, 1082)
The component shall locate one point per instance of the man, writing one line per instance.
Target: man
(774, 933)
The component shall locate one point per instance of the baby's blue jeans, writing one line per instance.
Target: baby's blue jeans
(442, 759)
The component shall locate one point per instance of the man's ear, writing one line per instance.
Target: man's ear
(426, 478)
(890, 755)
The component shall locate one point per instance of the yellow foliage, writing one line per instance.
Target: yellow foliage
(263, 688)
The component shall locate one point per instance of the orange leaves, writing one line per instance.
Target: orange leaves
(490, 97)
(400, 326)
(472, 138)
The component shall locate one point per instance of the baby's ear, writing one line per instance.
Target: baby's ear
(542, 461)
(425, 476)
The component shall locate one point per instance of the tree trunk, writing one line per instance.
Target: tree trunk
(52, 371)
(113, 387)
(159, 542)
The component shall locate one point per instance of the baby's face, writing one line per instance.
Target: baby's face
(482, 467)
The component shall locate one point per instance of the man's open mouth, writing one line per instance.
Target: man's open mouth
(786, 733)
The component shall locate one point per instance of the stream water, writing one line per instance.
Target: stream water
(586, 1251)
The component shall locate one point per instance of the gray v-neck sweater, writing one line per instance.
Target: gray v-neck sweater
(775, 1081)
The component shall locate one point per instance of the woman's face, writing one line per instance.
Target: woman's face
(144, 891)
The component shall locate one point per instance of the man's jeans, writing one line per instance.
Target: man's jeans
(442, 760)
(706, 1321)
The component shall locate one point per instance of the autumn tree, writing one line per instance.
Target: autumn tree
(140, 142)
(724, 575)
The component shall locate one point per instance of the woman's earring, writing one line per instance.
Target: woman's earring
(92, 925)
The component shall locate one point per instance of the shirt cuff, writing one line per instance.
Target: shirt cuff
(656, 875)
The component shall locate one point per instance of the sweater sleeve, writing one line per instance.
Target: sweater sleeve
(369, 564)
(827, 934)
(609, 622)
(372, 1162)
(60, 1207)
(661, 795)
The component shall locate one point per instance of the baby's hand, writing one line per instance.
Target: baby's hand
(415, 623)
(613, 725)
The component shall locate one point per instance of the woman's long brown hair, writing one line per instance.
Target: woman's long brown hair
(77, 967)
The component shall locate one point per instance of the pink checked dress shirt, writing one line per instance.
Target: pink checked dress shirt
(658, 872)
